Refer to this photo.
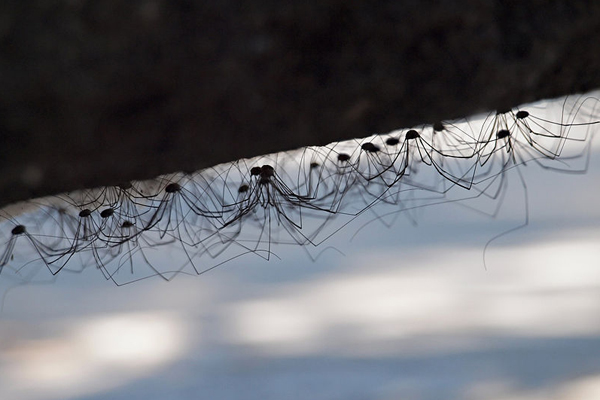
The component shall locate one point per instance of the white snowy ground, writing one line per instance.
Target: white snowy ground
(409, 312)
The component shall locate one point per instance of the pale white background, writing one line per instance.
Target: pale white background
(410, 312)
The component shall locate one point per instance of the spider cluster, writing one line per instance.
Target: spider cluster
(191, 223)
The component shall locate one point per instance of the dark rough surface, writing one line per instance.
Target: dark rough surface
(98, 92)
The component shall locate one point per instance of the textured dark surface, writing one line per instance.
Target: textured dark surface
(98, 92)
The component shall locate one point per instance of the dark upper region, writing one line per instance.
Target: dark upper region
(97, 93)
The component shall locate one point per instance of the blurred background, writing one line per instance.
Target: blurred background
(410, 311)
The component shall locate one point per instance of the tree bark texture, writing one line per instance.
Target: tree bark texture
(100, 92)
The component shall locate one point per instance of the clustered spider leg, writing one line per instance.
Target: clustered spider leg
(193, 222)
